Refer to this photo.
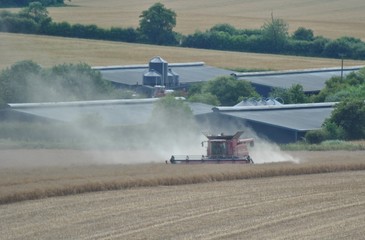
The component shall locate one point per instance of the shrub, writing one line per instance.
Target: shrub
(26, 81)
(350, 115)
(315, 136)
(18, 25)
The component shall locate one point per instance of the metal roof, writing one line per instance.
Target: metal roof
(188, 73)
(274, 121)
(312, 80)
(300, 117)
(112, 112)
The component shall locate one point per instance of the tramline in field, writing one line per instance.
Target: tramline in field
(220, 149)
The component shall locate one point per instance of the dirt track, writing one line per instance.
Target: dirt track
(317, 206)
(323, 206)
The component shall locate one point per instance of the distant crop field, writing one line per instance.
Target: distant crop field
(331, 19)
(263, 201)
(49, 51)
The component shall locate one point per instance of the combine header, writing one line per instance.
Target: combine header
(221, 149)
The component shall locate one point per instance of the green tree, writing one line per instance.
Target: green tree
(157, 24)
(338, 47)
(78, 82)
(26, 81)
(227, 28)
(315, 136)
(332, 130)
(294, 94)
(229, 90)
(23, 3)
(37, 12)
(275, 34)
(303, 34)
(172, 125)
(339, 89)
(349, 115)
(206, 98)
(169, 117)
(16, 81)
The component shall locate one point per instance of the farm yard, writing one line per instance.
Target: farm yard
(272, 200)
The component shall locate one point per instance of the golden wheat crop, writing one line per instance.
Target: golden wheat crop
(49, 51)
(319, 206)
(331, 19)
(34, 182)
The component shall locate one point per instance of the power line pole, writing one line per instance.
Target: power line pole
(342, 56)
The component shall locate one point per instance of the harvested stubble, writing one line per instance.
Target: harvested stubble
(319, 206)
(27, 184)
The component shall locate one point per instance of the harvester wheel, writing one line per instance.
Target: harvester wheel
(250, 159)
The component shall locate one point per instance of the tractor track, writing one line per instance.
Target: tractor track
(240, 232)
(277, 208)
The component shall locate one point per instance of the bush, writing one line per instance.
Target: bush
(229, 90)
(26, 81)
(349, 115)
(333, 131)
(295, 94)
(206, 98)
(24, 3)
(18, 25)
(315, 136)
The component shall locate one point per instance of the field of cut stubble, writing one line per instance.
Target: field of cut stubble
(158, 201)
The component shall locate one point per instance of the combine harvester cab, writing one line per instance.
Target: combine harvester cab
(221, 149)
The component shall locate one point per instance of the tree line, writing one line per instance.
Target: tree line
(24, 3)
(26, 81)
(156, 27)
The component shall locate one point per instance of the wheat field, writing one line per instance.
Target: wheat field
(330, 19)
(49, 51)
(263, 201)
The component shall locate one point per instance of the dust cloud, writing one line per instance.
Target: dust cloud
(263, 151)
(268, 152)
(166, 133)
(145, 144)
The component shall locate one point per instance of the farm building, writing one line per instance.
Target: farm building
(111, 112)
(312, 80)
(158, 71)
(274, 121)
(278, 123)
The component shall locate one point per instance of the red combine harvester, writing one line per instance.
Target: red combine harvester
(221, 149)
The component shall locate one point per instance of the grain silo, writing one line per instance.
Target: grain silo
(152, 78)
(160, 66)
(172, 78)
